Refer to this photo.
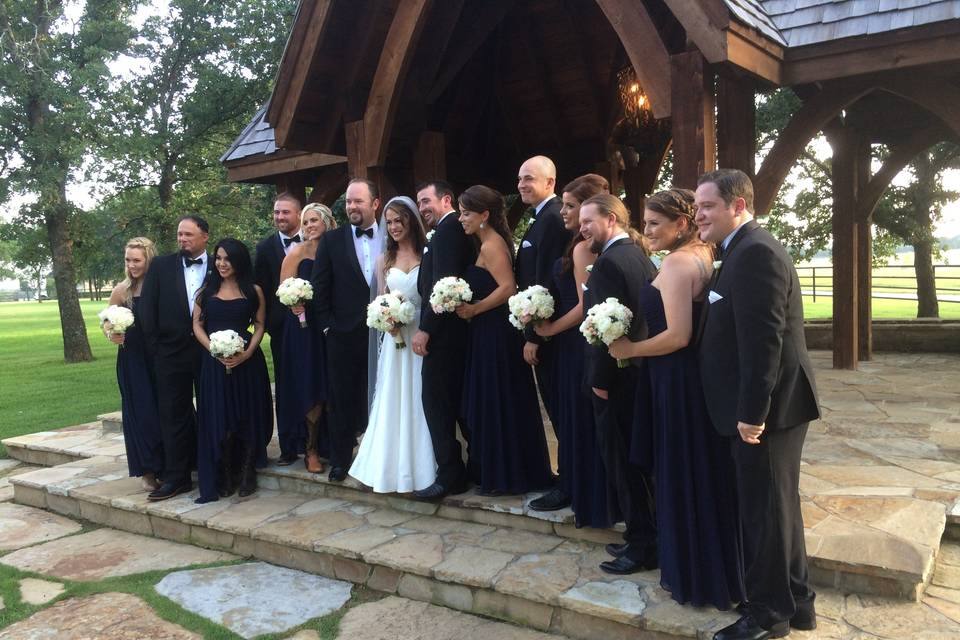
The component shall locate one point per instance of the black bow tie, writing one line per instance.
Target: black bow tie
(363, 232)
(189, 262)
(289, 241)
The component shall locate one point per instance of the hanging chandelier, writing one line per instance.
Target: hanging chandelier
(636, 104)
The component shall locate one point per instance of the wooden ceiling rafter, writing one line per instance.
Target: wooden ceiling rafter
(539, 72)
(443, 25)
(572, 16)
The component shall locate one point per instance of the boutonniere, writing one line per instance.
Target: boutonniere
(430, 234)
(589, 268)
(717, 264)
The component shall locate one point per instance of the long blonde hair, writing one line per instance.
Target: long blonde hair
(609, 205)
(149, 253)
(322, 210)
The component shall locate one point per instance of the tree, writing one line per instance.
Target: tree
(53, 77)
(29, 254)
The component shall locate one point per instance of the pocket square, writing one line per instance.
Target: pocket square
(583, 285)
(525, 244)
(713, 296)
(426, 250)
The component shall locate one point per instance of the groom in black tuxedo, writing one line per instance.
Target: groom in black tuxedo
(343, 273)
(442, 339)
(166, 313)
(542, 244)
(266, 268)
(760, 392)
(620, 272)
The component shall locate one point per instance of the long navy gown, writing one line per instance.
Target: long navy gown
(698, 530)
(138, 402)
(582, 476)
(237, 403)
(304, 378)
(508, 448)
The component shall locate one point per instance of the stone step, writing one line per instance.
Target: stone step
(880, 545)
(535, 579)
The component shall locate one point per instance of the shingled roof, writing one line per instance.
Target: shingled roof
(256, 138)
(796, 23)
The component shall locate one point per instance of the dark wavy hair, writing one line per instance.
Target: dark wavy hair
(239, 257)
(411, 221)
(479, 198)
(582, 188)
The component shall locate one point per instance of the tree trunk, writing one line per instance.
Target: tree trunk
(923, 237)
(76, 346)
(927, 305)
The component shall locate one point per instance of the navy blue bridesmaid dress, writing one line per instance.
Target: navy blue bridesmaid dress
(582, 476)
(304, 378)
(508, 447)
(138, 402)
(697, 524)
(237, 404)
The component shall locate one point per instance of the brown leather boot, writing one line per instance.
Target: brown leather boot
(312, 461)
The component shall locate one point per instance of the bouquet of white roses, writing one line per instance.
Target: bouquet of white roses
(533, 304)
(606, 322)
(224, 344)
(449, 293)
(116, 320)
(390, 311)
(294, 291)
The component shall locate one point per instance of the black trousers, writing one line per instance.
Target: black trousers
(775, 555)
(347, 376)
(630, 484)
(544, 375)
(442, 376)
(177, 379)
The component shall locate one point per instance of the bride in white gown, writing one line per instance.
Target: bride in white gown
(396, 453)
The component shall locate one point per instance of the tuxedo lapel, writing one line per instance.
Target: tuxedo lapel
(181, 285)
(352, 254)
(744, 231)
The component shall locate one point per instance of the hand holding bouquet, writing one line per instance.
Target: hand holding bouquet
(225, 344)
(449, 293)
(293, 292)
(388, 312)
(533, 304)
(115, 320)
(606, 322)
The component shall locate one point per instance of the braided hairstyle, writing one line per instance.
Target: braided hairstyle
(675, 204)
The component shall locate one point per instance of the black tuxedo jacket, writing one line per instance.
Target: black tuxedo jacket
(542, 244)
(266, 269)
(753, 353)
(620, 272)
(164, 312)
(449, 253)
(340, 292)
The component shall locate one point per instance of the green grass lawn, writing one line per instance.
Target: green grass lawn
(38, 391)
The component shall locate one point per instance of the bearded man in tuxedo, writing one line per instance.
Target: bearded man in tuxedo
(342, 277)
(760, 393)
(166, 315)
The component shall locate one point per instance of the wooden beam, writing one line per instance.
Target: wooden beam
(864, 243)
(939, 97)
(292, 183)
(356, 156)
(329, 185)
(292, 163)
(693, 123)
(443, 23)
(754, 58)
(536, 70)
(844, 253)
(815, 113)
(586, 62)
(900, 156)
(647, 53)
(388, 80)
(430, 157)
(282, 112)
(736, 124)
(705, 23)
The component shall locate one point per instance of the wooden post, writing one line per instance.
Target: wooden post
(864, 258)
(845, 320)
(356, 159)
(692, 118)
(736, 124)
(430, 157)
(292, 183)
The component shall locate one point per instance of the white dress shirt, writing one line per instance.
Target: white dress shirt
(366, 250)
(193, 277)
(726, 241)
(542, 204)
(614, 239)
(287, 248)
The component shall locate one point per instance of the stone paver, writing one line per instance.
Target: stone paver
(540, 577)
(34, 591)
(255, 598)
(22, 526)
(106, 616)
(106, 553)
(393, 618)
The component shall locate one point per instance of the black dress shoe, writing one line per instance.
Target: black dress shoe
(552, 501)
(435, 491)
(337, 474)
(746, 628)
(168, 490)
(617, 550)
(287, 459)
(805, 618)
(624, 565)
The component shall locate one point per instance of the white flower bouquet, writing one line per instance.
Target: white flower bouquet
(449, 293)
(606, 322)
(390, 311)
(294, 291)
(224, 344)
(116, 319)
(533, 304)
(430, 234)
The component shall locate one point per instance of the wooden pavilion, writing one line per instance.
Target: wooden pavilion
(403, 90)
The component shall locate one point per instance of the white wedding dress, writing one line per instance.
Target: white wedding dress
(396, 453)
